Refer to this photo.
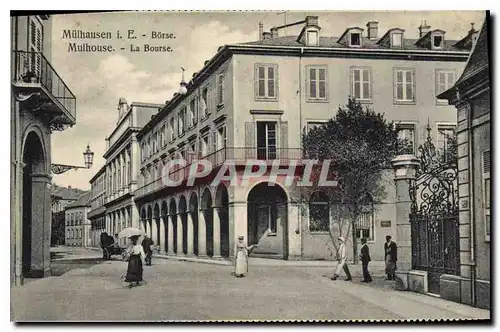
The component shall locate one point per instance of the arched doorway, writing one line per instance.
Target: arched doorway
(193, 209)
(206, 207)
(164, 214)
(156, 229)
(173, 216)
(183, 220)
(34, 205)
(267, 211)
(222, 205)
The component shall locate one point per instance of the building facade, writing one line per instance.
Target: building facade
(61, 197)
(78, 227)
(122, 162)
(253, 101)
(97, 212)
(40, 103)
(471, 96)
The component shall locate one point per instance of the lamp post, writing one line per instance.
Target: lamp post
(88, 158)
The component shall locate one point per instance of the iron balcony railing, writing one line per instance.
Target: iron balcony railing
(34, 68)
(238, 156)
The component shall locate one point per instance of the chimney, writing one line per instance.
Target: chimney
(312, 20)
(266, 35)
(423, 29)
(274, 33)
(261, 31)
(372, 30)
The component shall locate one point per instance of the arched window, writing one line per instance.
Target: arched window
(319, 212)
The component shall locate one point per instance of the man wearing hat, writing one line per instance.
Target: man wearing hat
(391, 257)
(342, 258)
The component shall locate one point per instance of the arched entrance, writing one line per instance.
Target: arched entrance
(206, 206)
(183, 220)
(222, 208)
(267, 210)
(193, 209)
(164, 213)
(156, 227)
(35, 208)
(173, 216)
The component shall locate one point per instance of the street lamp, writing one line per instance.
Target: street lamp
(88, 157)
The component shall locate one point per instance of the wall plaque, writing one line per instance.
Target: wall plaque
(385, 223)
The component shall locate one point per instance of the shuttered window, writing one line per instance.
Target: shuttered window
(220, 89)
(317, 83)
(35, 45)
(486, 167)
(266, 81)
(361, 84)
(404, 86)
(444, 81)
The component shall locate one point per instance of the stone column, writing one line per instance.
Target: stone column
(154, 231)
(202, 235)
(190, 235)
(134, 216)
(141, 226)
(180, 251)
(216, 233)
(170, 227)
(405, 167)
(237, 224)
(161, 242)
(40, 225)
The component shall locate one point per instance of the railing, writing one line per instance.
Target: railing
(33, 67)
(238, 156)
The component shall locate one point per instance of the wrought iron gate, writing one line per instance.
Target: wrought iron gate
(434, 216)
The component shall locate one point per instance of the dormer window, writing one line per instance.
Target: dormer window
(355, 39)
(312, 38)
(397, 40)
(437, 41)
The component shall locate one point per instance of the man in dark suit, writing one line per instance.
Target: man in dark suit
(365, 259)
(146, 246)
(391, 257)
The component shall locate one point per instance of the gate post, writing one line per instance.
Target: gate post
(405, 167)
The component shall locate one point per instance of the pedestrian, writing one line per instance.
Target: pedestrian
(135, 262)
(391, 257)
(147, 243)
(241, 257)
(342, 261)
(365, 258)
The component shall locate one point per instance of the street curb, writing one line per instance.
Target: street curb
(195, 260)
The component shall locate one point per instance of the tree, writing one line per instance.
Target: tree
(359, 144)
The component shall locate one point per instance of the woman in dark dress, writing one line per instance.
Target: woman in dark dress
(136, 261)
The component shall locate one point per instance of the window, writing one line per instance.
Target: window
(181, 121)
(445, 79)
(266, 140)
(149, 147)
(314, 124)
(404, 86)
(220, 89)
(355, 39)
(204, 145)
(35, 44)
(445, 133)
(221, 137)
(204, 102)
(312, 38)
(193, 114)
(361, 84)
(266, 81)
(437, 41)
(317, 83)
(162, 137)
(214, 142)
(319, 212)
(172, 128)
(486, 163)
(396, 40)
(364, 226)
(406, 133)
(154, 143)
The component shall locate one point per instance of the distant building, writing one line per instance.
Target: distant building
(97, 213)
(41, 103)
(77, 224)
(471, 96)
(253, 101)
(61, 197)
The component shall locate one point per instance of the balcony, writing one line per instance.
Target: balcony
(40, 89)
(238, 156)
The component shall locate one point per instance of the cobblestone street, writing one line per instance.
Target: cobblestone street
(177, 290)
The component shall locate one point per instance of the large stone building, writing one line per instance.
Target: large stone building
(77, 222)
(252, 101)
(122, 163)
(471, 96)
(40, 103)
(60, 198)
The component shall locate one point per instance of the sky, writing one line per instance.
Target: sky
(98, 80)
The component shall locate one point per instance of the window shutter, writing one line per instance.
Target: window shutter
(284, 139)
(222, 77)
(308, 84)
(250, 146)
(486, 162)
(276, 82)
(256, 81)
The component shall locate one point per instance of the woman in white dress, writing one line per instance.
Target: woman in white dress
(241, 257)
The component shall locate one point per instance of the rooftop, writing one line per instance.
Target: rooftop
(83, 200)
